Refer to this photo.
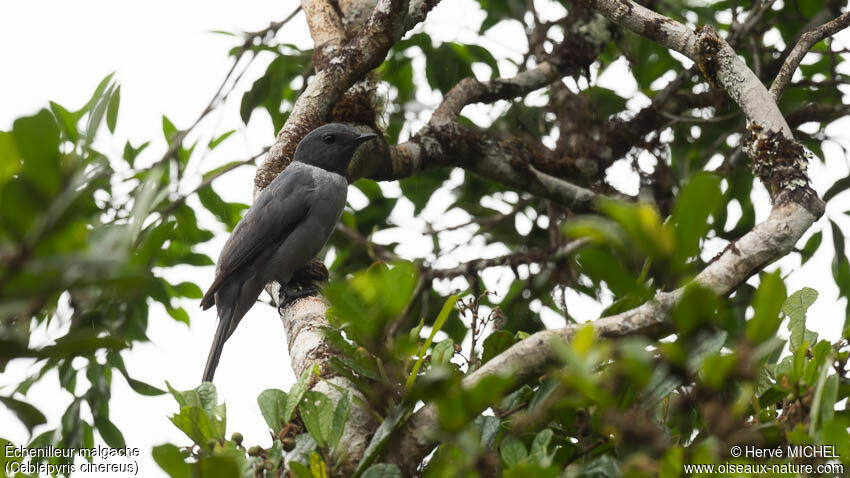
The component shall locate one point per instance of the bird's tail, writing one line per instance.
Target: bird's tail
(222, 333)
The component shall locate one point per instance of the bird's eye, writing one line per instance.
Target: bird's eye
(328, 138)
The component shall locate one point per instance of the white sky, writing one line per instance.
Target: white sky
(168, 62)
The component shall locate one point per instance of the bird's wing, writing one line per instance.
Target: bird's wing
(272, 217)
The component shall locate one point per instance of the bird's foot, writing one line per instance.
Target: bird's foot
(289, 294)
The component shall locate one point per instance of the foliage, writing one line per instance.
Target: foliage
(78, 249)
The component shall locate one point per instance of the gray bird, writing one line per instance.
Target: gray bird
(283, 230)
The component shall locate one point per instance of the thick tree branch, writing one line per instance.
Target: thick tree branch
(806, 42)
(339, 64)
(507, 161)
(471, 91)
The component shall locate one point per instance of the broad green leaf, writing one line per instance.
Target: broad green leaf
(317, 413)
(109, 432)
(272, 404)
(37, 141)
(767, 304)
(208, 396)
(197, 425)
(795, 308)
(540, 448)
(30, 416)
(496, 343)
(512, 451)
(443, 353)
(170, 459)
(696, 201)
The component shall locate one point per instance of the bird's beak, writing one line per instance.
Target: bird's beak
(364, 137)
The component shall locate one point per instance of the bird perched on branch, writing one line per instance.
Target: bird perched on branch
(283, 230)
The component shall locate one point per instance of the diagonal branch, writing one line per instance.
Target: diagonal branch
(806, 42)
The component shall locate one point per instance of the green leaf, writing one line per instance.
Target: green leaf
(96, 113)
(170, 459)
(197, 425)
(815, 413)
(299, 470)
(443, 353)
(838, 243)
(513, 451)
(228, 213)
(168, 129)
(343, 408)
(131, 152)
(272, 404)
(109, 432)
(67, 121)
(496, 343)
(697, 200)
(179, 314)
(208, 396)
(112, 109)
(672, 463)
(419, 189)
(317, 412)
(296, 393)
(603, 466)
(382, 470)
(448, 64)
(393, 420)
(795, 308)
(607, 102)
(540, 446)
(767, 304)
(811, 247)
(489, 427)
(837, 187)
(189, 290)
(37, 141)
(599, 264)
(220, 139)
(30, 416)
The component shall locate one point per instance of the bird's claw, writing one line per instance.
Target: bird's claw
(289, 294)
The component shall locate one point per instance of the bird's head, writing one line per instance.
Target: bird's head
(331, 147)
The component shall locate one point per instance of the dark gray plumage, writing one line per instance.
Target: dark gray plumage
(283, 230)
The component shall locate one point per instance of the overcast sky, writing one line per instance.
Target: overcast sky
(169, 63)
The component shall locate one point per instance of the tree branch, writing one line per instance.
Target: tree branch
(507, 259)
(806, 42)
